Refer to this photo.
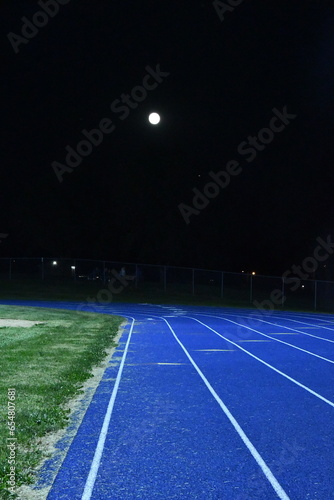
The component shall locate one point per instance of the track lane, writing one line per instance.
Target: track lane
(296, 445)
(277, 415)
(184, 447)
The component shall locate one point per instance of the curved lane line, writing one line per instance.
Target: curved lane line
(272, 338)
(287, 327)
(265, 363)
(256, 455)
(309, 324)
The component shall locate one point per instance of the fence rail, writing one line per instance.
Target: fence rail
(250, 289)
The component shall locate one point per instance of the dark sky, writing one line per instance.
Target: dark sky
(225, 78)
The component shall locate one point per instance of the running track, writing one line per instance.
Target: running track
(207, 403)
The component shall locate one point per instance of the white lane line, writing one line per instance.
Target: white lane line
(264, 362)
(307, 327)
(252, 340)
(272, 338)
(214, 350)
(317, 327)
(168, 364)
(314, 317)
(256, 455)
(283, 333)
(87, 494)
(297, 331)
(287, 327)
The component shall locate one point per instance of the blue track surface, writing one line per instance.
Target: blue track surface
(207, 403)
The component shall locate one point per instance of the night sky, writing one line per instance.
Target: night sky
(221, 83)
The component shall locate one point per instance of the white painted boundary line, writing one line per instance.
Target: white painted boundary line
(316, 316)
(103, 434)
(298, 331)
(315, 326)
(269, 337)
(265, 363)
(287, 327)
(265, 469)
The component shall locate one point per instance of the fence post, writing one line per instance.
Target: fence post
(315, 295)
(104, 272)
(222, 287)
(165, 284)
(75, 271)
(193, 282)
(251, 288)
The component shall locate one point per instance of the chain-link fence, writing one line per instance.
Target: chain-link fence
(263, 292)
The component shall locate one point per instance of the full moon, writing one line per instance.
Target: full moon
(154, 118)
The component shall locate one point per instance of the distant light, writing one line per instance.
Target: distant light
(253, 273)
(73, 268)
(154, 118)
(242, 271)
(303, 286)
(54, 263)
